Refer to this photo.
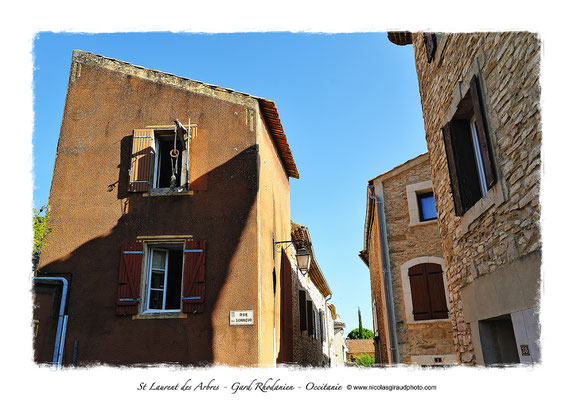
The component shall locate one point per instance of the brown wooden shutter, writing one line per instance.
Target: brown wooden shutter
(420, 296)
(142, 160)
(450, 156)
(430, 42)
(310, 317)
(302, 309)
(483, 137)
(439, 306)
(193, 298)
(129, 278)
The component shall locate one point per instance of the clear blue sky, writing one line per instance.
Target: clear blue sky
(349, 104)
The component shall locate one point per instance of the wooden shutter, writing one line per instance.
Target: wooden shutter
(420, 296)
(483, 137)
(129, 278)
(310, 316)
(321, 317)
(193, 298)
(438, 304)
(430, 42)
(302, 309)
(450, 156)
(142, 160)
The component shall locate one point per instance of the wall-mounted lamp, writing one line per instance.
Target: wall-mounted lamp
(302, 254)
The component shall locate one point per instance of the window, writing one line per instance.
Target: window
(468, 151)
(430, 41)
(163, 286)
(421, 203)
(311, 321)
(173, 276)
(160, 159)
(427, 206)
(427, 289)
(302, 309)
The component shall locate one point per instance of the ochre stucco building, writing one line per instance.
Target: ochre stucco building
(480, 100)
(167, 198)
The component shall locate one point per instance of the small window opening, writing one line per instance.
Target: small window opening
(165, 163)
(164, 278)
(427, 206)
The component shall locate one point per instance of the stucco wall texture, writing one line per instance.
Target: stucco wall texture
(504, 227)
(92, 213)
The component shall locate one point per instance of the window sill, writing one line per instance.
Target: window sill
(427, 321)
(432, 221)
(493, 197)
(160, 315)
(179, 191)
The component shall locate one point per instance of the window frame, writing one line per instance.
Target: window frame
(414, 208)
(468, 126)
(147, 274)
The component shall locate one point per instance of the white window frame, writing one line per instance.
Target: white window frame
(479, 161)
(148, 269)
(412, 192)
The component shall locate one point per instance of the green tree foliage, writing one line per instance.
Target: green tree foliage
(365, 360)
(41, 231)
(366, 334)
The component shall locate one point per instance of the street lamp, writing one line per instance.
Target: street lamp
(302, 254)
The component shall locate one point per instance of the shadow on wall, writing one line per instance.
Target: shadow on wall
(219, 215)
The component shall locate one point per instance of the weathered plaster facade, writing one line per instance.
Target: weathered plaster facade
(237, 202)
(493, 251)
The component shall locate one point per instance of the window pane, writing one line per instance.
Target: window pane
(428, 207)
(155, 299)
(158, 261)
(157, 279)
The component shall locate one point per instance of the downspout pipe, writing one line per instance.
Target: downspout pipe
(62, 318)
(386, 271)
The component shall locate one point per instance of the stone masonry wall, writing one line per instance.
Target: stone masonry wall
(505, 225)
(407, 242)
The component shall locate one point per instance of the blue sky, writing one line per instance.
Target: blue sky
(349, 104)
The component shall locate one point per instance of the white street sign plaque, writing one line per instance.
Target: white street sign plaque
(242, 317)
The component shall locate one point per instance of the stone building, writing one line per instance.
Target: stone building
(403, 252)
(312, 322)
(167, 199)
(480, 100)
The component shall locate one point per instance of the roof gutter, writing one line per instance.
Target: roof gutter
(62, 318)
(387, 278)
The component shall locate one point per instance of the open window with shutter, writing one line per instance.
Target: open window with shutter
(428, 294)
(310, 316)
(173, 279)
(468, 151)
(160, 159)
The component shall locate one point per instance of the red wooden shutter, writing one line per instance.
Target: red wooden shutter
(420, 296)
(193, 298)
(479, 113)
(302, 309)
(129, 278)
(142, 160)
(450, 156)
(439, 306)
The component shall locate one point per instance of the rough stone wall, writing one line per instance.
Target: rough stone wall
(507, 227)
(407, 242)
